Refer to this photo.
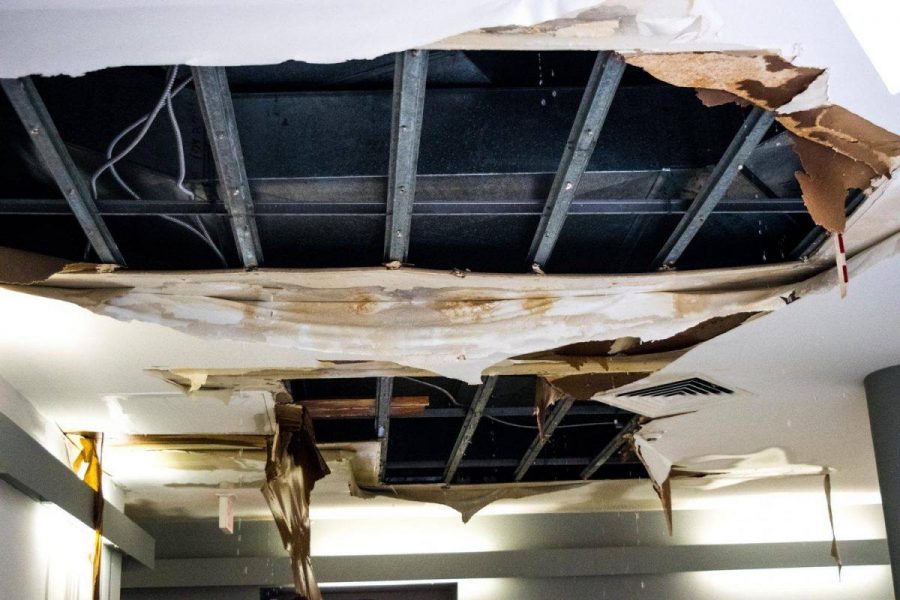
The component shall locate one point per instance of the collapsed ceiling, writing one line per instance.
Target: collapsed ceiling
(695, 177)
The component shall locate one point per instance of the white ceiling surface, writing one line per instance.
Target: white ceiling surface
(803, 364)
(116, 32)
(86, 372)
(800, 371)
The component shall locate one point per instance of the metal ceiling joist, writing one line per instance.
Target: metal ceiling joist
(611, 448)
(52, 150)
(384, 391)
(473, 416)
(30, 468)
(598, 97)
(557, 414)
(460, 206)
(410, 74)
(217, 109)
(748, 136)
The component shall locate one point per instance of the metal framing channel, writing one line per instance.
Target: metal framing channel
(473, 416)
(611, 448)
(557, 414)
(598, 97)
(410, 75)
(384, 391)
(34, 116)
(214, 97)
(748, 136)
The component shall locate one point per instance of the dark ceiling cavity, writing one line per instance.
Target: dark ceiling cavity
(494, 156)
(563, 162)
(424, 443)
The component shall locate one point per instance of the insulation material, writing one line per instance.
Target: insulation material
(424, 319)
(293, 467)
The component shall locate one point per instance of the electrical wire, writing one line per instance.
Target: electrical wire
(147, 120)
(498, 420)
(112, 145)
(179, 149)
(151, 116)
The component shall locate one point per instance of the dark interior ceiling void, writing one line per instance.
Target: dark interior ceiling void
(562, 162)
(422, 438)
(316, 142)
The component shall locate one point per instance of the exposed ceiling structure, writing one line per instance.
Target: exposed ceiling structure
(530, 275)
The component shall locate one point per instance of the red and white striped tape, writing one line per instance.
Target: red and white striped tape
(843, 272)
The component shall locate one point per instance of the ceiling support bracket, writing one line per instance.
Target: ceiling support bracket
(408, 105)
(748, 136)
(217, 109)
(473, 416)
(611, 448)
(557, 414)
(598, 96)
(26, 101)
(384, 391)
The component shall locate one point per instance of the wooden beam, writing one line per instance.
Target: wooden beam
(361, 408)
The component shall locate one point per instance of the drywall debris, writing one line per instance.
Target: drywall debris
(545, 396)
(766, 80)
(840, 150)
(24, 268)
(848, 134)
(835, 551)
(226, 513)
(659, 470)
(292, 469)
(826, 179)
(711, 98)
(467, 500)
(378, 315)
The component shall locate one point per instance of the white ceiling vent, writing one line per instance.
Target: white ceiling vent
(695, 386)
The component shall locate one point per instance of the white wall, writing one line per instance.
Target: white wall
(45, 553)
(856, 583)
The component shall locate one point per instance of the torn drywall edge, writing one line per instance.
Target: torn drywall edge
(469, 328)
(293, 466)
(661, 465)
(271, 379)
(860, 153)
(120, 34)
(821, 283)
(467, 500)
(766, 80)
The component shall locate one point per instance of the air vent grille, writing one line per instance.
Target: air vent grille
(685, 387)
